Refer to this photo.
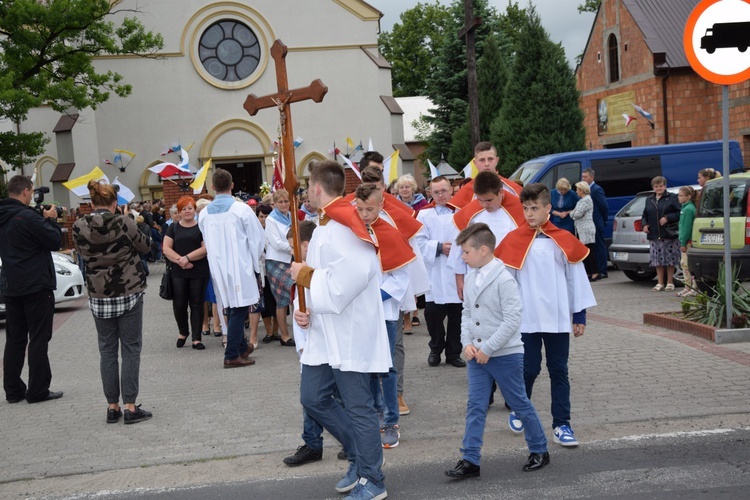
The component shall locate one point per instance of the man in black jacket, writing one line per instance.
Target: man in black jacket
(27, 281)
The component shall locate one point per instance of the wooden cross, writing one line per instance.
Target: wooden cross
(281, 100)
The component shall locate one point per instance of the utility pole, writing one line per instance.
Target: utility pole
(467, 32)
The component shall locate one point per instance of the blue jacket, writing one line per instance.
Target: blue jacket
(569, 201)
(601, 209)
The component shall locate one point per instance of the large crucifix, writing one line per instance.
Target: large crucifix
(472, 23)
(281, 100)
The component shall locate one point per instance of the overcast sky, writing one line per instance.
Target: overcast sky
(560, 18)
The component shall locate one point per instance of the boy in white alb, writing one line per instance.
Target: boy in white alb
(547, 263)
(442, 301)
(347, 339)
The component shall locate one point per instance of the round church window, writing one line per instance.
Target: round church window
(229, 50)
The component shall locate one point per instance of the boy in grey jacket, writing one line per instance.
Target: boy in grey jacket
(491, 338)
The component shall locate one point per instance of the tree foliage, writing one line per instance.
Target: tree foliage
(539, 113)
(447, 85)
(47, 51)
(412, 44)
(589, 6)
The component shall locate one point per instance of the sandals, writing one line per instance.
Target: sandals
(660, 287)
(415, 321)
(669, 288)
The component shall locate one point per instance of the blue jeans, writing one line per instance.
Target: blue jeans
(508, 372)
(236, 342)
(388, 403)
(312, 432)
(355, 425)
(556, 349)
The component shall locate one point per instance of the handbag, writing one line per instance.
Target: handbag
(165, 288)
(671, 230)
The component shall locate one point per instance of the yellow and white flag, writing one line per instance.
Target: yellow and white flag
(200, 178)
(390, 167)
(79, 185)
(470, 170)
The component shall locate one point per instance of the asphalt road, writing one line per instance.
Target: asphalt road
(705, 464)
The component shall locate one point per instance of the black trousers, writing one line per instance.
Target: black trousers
(440, 338)
(189, 291)
(591, 262)
(28, 322)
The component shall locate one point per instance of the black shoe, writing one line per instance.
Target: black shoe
(133, 417)
(15, 399)
(304, 455)
(181, 342)
(289, 342)
(536, 461)
(463, 470)
(113, 416)
(52, 395)
(199, 346)
(342, 455)
(433, 359)
(457, 362)
(603, 276)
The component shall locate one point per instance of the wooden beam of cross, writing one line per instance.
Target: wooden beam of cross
(281, 100)
(467, 32)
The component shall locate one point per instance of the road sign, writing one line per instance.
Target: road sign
(716, 40)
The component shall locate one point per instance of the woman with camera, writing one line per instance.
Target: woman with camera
(110, 244)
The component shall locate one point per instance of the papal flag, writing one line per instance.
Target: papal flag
(124, 194)
(433, 171)
(200, 178)
(390, 167)
(79, 185)
(470, 170)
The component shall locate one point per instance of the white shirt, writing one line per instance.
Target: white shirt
(278, 247)
(438, 228)
(500, 224)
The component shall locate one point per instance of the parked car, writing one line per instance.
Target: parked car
(69, 280)
(709, 236)
(629, 250)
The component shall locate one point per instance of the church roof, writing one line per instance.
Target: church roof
(662, 25)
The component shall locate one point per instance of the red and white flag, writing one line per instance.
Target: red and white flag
(278, 180)
(628, 119)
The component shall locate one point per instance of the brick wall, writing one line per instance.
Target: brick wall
(693, 105)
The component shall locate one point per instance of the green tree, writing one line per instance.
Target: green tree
(47, 51)
(447, 86)
(540, 113)
(412, 44)
(589, 6)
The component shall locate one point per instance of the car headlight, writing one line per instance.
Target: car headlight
(62, 270)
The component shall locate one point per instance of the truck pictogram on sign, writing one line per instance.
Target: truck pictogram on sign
(726, 35)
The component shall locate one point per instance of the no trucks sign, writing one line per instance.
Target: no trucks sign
(716, 40)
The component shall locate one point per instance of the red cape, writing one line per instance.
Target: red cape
(344, 213)
(516, 245)
(511, 205)
(394, 250)
(466, 193)
(401, 214)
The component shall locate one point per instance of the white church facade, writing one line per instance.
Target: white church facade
(217, 53)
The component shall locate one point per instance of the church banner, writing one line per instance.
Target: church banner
(612, 112)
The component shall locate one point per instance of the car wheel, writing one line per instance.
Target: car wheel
(640, 275)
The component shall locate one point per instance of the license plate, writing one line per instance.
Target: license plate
(712, 239)
(621, 256)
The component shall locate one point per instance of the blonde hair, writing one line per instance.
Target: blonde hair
(407, 179)
(280, 194)
(563, 183)
(201, 203)
(583, 187)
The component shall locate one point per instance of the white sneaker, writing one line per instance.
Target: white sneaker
(515, 423)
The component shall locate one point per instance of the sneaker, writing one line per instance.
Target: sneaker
(515, 423)
(564, 436)
(390, 436)
(403, 409)
(133, 417)
(342, 455)
(113, 416)
(304, 455)
(349, 481)
(365, 490)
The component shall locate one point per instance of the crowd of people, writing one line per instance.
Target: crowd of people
(472, 255)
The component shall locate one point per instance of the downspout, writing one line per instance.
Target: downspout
(664, 105)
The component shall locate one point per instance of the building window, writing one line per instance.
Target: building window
(614, 63)
(229, 50)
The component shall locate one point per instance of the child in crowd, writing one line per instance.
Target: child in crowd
(687, 197)
(394, 254)
(493, 349)
(547, 263)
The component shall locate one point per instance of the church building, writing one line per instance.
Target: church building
(217, 53)
(634, 58)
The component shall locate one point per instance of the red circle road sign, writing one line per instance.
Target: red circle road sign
(716, 39)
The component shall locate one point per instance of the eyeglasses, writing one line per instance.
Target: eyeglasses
(441, 192)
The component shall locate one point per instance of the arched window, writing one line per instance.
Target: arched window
(614, 63)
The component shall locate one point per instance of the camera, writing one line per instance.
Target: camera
(39, 200)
